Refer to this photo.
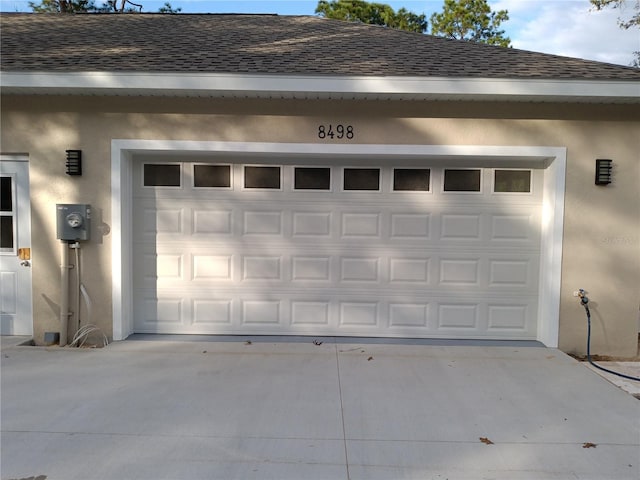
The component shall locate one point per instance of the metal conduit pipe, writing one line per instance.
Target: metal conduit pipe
(64, 293)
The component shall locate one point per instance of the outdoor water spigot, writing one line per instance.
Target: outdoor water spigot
(584, 300)
(583, 297)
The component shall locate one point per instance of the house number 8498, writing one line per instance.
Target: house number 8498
(337, 131)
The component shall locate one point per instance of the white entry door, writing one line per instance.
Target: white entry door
(15, 247)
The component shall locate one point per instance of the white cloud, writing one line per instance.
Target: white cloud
(560, 27)
(569, 28)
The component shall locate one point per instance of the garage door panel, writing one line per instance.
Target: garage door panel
(212, 222)
(359, 269)
(457, 226)
(212, 267)
(356, 224)
(511, 273)
(516, 227)
(459, 272)
(509, 317)
(413, 270)
(482, 318)
(160, 315)
(212, 313)
(458, 316)
(336, 262)
(311, 224)
(311, 268)
(358, 314)
(260, 267)
(414, 315)
(261, 312)
(167, 266)
(151, 269)
(217, 266)
(153, 220)
(414, 226)
(355, 314)
(262, 223)
(162, 221)
(310, 313)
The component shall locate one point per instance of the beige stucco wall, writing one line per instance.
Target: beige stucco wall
(601, 251)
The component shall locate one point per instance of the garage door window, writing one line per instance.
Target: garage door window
(411, 179)
(361, 179)
(161, 175)
(462, 180)
(312, 178)
(262, 177)
(212, 176)
(512, 181)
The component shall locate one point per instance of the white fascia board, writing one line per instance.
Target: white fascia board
(302, 86)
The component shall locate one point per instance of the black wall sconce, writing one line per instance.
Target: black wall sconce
(603, 171)
(74, 162)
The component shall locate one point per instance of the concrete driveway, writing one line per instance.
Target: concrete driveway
(345, 409)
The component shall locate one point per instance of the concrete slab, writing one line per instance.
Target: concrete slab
(170, 409)
(7, 341)
(626, 368)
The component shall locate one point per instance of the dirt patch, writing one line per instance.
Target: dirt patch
(609, 358)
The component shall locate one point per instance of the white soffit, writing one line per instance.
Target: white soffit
(319, 87)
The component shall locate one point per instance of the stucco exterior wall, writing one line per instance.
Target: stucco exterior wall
(601, 250)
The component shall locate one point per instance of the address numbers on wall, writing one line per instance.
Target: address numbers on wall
(339, 131)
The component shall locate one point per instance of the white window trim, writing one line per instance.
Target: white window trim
(554, 158)
(13, 214)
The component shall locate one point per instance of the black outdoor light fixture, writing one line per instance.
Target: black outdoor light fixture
(603, 171)
(74, 162)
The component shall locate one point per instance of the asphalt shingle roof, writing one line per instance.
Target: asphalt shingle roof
(265, 44)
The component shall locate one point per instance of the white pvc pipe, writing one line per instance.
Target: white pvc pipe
(64, 294)
(76, 325)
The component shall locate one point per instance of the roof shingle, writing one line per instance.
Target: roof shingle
(266, 44)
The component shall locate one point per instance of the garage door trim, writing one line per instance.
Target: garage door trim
(553, 159)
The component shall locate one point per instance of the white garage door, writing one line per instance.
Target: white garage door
(377, 249)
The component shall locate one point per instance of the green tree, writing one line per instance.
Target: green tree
(470, 20)
(372, 13)
(634, 21)
(167, 8)
(121, 6)
(89, 6)
(63, 6)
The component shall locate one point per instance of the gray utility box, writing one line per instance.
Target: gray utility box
(73, 221)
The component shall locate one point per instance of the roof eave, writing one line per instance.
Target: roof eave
(319, 87)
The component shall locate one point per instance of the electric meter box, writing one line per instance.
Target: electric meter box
(73, 221)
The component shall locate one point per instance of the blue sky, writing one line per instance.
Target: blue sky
(562, 27)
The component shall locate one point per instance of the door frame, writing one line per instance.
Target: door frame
(23, 240)
(553, 160)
